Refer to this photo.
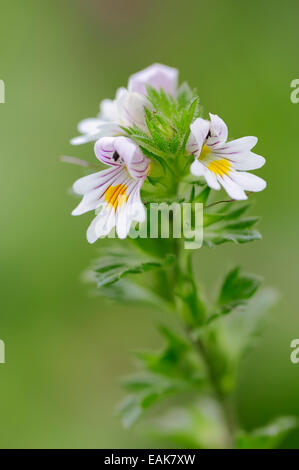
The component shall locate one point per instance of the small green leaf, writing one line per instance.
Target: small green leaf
(184, 95)
(130, 410)
(211, 219)
(203, 195)
(186, 120)
(268, 437)
(242, 224)
(126, 291)
(236, 289)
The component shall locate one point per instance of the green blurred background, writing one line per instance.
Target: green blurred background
(66, 349)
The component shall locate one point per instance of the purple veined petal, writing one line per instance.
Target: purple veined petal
(96, 194)
(158, 76)
(136, 163)
(104, 149)
(218, 129)
(213, 143)
(244, 144)
(246, 161)
(110, 212)
(192, 145)
(89, 182)
(199, 130)
(122, 217)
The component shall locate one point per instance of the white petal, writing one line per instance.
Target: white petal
(91, 234)
(248, 181)
(91, 200)
(192, 145)
(104, 150)
(199, 130)
(211, 179)
(108, 110)
(105, 221)
(133, 210)
(130, 108)
(218, 128)
(136, 163)
(81, 139)
(232, 188)
(247, 161)
(95, 195)
(242, 145)
(104, 129)
(197, 168)
(89, 125)
(158, 76)
(89, 182)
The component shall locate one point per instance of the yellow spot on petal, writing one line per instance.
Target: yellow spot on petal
(116, 195)
(220, 167)
(205, 150)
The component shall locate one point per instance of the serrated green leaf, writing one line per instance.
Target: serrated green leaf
(215, 238)
(113, 267)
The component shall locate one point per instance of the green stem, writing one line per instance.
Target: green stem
(223, 400)
(184, 266)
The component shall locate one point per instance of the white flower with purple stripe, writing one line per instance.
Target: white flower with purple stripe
(114, 193)
(223, 163)
(128, 106)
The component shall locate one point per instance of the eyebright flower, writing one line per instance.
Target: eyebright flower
(114, 193)
(128, 106)
(158, 76)
(125, 110)
(224, 163)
